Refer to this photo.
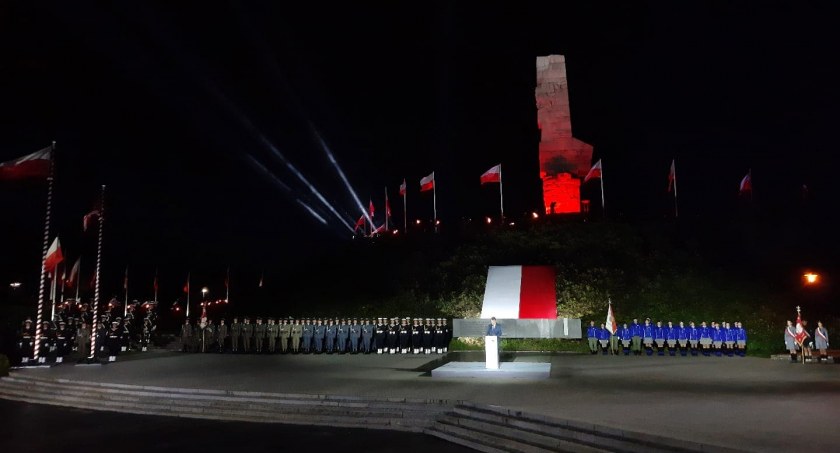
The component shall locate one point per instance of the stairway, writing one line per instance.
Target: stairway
(378, 413)
(494, 429)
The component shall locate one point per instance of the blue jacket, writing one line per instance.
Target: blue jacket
(717, 335)
(729, 334)
(705, 332)
(693, 333)
(672, 332)
(494, 331)
(591, 332)
(603, 334)
(647, 331)
(625, 334)
(659, 333)
(636, 330)
(683, 333)
(742, 334)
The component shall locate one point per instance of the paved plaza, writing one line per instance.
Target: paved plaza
(746, 403)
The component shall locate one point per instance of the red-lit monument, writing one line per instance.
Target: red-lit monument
(564, 160)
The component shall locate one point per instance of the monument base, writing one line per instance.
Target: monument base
(506, 370)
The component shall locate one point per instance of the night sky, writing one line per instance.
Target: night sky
(170, 103)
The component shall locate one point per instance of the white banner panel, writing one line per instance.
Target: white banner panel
(501, 295)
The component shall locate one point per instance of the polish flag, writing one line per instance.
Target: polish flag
(427, 183)
(54, 255)
(378, 230)
(520, 292)
(387, 206)
(746, 183)
(611, 325)
(672, 176)
(370, 207)
(187, 286)
(402, 188)
(35, 165)
(594, 172)
(74, 274)
(801, 334)
(492, 175)
(88, 218)
(359, 223)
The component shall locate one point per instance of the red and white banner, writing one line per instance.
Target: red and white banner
(402, 188)
(520, 292)
(35, 165)
(427, 183)
(74, 274)
(611, 325)
(801, 334)
(492, 175)
(746, 183)
(594, 172)
(54, 256)
(371, 208)
(672, 176)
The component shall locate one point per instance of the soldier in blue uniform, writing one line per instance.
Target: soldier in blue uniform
(367, 335)
(647, 337)
(332, 331)
(671, 334)
(343, 335)
(592, 337)
(659, 338)
(626, 335)
(355, 334)
(307, 336)
(636, 333)
(319, 332)
(682, 339)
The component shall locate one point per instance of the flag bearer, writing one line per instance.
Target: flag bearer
(592, 337)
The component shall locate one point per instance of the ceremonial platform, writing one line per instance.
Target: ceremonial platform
(506, 370)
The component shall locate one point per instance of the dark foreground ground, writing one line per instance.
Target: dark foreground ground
(37, 428)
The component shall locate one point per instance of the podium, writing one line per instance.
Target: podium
(491, 351)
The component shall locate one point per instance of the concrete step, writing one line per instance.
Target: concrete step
(469, 438)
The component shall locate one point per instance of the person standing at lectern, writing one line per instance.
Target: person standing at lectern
(494, 329)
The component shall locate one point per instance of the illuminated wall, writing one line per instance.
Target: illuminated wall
(564, 160)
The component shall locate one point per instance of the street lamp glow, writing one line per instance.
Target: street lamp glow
(204, 291)
(811, 278)
(14, 285)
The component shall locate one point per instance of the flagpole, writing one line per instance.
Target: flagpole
(434, 199)
(54, 294)
(156, 284)
(501, 195)
(386, 209)
(125, 283)
(227, 286)
(46, 247)
(603, 205)
(78, 280)
(405, 208)
(188, 295)
(676, 206)
(96, 293)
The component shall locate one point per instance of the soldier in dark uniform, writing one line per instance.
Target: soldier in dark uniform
(26, 335)
(428, 336)
(296, 333)
(221, 334)
(83, 340)
(332, 332)
(381, 335)
(186, 336)
(440, 337)
(355, 334)
(62, 342)
(259, 336)
(148, 328)
(72, 327)
(125, 335)
(47, 342)
(271, 334)
(393, 336)
(285, 331)
(319, 331)
(307, 336)
(247, 334)
(114, 341)
(235, 333)
(416, 337)
(343, 334)
(404, 336)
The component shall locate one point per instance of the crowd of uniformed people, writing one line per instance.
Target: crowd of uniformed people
(318, 335)
(70, 333)
(714, 338)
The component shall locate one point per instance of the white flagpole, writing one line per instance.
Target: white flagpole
(54, 293)
(188, 295)
(156, 285)
(96, 293)
(227, 286)
(501, 195)
(434, 199)
(125, 283)
(676, 207)
(405, 208)
(78, 280)
(46, 247)
(603, 205)
(386, 208)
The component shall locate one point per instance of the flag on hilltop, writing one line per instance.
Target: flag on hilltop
(594, 172)
(492, 175)
(54, 255)
(35, 165)
(746, 183)
(427, 183)
(611, 325)
(402, 188)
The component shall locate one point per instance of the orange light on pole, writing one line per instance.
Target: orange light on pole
(811, 278)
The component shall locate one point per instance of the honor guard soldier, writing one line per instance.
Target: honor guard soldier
(146, 338)
(259, 336)
(671, 334)
(319, 332)
(307, 336)
(439, 339)
(125, 334)
(647, 337)
(47, 342)
(428, 336)
(392, 340)
(186, 336)
(416, 337)
(285, 331)
(682, 338)
(381, 334)
(330, 336)
(355, 335)
(221, 335)
(247, 334)
(741, 338)
(404, 336)
(271, 333)
(625, 334)
(62, 342)
(592, 337)
(27, 333)
(342, 334)
(114, 340)
(235, 333)
(367, 335)
(296, 332)
(83, 340)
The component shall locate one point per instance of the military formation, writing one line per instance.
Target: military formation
(714, 338)
(318, 336)
(70, 333)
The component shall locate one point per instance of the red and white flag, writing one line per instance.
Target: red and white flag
(187, 285)
(402, 188)
(54, 256)
(520, 292)
(427, 183)
(611, 325)
(672, 176)
(801, 334)
(370, 207)
(492, 175)
(594, 172)
(378, 230)
(359, 223)
(746, 183)
(35, 165)
(387, 206)
(74, 274)
(88, 218)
